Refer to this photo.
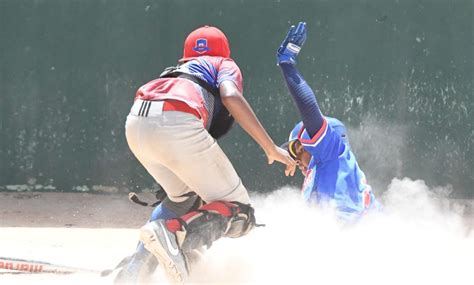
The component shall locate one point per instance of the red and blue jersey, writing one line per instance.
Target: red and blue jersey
(212, 69)
(333, 176)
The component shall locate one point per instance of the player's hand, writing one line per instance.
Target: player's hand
(291, 45)
(290, 170)
(281, 155)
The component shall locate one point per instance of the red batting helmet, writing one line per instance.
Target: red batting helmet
(206, 40)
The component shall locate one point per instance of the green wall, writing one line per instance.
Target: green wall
(399, 73)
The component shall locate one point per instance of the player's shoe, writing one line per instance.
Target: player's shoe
(136, 269)
(164, 245)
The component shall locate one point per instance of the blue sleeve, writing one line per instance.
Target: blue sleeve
(304, 99)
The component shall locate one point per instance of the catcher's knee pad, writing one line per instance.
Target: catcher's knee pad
(239, 217)
(242, 220)
(212, 221)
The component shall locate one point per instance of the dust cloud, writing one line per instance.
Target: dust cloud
(421, 237)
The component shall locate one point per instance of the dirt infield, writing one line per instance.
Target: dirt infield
(71, 210)
(95, 231)
(90, 231)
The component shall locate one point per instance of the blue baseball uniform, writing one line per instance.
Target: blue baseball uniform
(333, 176)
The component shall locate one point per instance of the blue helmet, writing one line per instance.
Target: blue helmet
(337, 126)
(295, 131)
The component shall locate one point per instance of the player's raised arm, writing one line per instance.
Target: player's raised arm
(302, 94)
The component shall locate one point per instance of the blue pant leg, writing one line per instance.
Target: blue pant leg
(375, 205)
(162, 213)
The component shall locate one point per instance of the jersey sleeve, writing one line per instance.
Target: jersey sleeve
(325, 145)
(229, 71)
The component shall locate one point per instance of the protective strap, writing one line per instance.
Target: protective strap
(225, 209)
(173, 72)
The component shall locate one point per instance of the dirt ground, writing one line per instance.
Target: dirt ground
(72, 210)
(79, 230)
(89, 231)
(95, 231)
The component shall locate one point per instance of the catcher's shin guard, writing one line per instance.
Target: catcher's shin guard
(211, 222)
(174, 242)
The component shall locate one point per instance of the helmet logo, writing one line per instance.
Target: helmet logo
(201, 46)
